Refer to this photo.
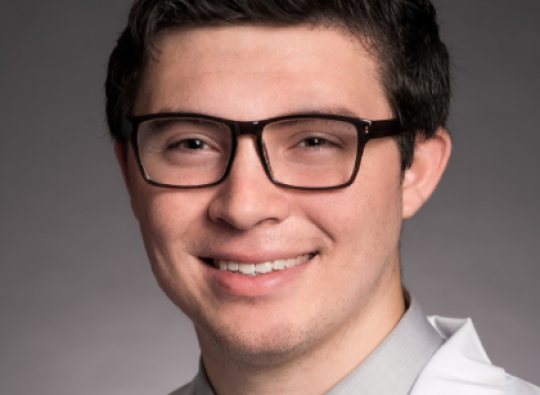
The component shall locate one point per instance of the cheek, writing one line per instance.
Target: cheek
(364, 220)
(169, 218)
(162, 213)
(168, 221)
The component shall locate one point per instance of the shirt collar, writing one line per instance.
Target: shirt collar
(395, 365)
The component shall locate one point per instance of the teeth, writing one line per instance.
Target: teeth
(279, 265)
(246, 268)
(252, 269)
(266, 267)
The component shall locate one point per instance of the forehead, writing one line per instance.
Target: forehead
(260, 69)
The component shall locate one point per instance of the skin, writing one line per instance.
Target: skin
(305, 329)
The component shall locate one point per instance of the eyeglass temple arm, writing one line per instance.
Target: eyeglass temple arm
(386, 128)
(127, 129)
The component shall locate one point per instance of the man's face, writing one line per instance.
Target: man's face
(351, 235)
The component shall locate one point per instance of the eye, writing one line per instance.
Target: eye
(189, 144)
(315, 142)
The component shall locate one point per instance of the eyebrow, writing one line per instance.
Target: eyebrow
(343, 111)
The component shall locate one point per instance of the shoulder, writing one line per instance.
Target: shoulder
(188, 389)
(198, 386)
(461, 365)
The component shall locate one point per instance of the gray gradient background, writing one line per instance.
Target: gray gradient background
(80, 311)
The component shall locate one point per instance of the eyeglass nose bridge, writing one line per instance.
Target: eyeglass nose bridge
(255, 128)
(247, 127)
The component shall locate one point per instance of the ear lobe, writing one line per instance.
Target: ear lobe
(420, 180)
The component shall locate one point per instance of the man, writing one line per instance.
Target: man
(271, 150)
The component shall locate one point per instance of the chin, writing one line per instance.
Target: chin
(257, 347)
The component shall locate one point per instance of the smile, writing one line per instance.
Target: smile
(254, 269)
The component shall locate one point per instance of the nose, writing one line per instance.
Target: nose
(247, 198)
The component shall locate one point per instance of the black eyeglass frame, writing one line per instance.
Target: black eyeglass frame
(367, 130)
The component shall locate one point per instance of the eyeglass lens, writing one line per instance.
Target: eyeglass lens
(303, 152)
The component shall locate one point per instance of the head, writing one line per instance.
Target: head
(251, 60)
(402, 35)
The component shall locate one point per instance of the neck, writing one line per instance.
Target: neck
(319, 369)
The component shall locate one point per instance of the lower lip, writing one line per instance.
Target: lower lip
(229, 284)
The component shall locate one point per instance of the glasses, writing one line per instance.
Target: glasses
(310, 152)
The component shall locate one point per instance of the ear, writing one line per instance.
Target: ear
(121, 152)
(429, 162)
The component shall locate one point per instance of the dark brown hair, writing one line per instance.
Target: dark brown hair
(402, 34)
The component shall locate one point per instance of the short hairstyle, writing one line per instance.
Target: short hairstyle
(403, 35)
